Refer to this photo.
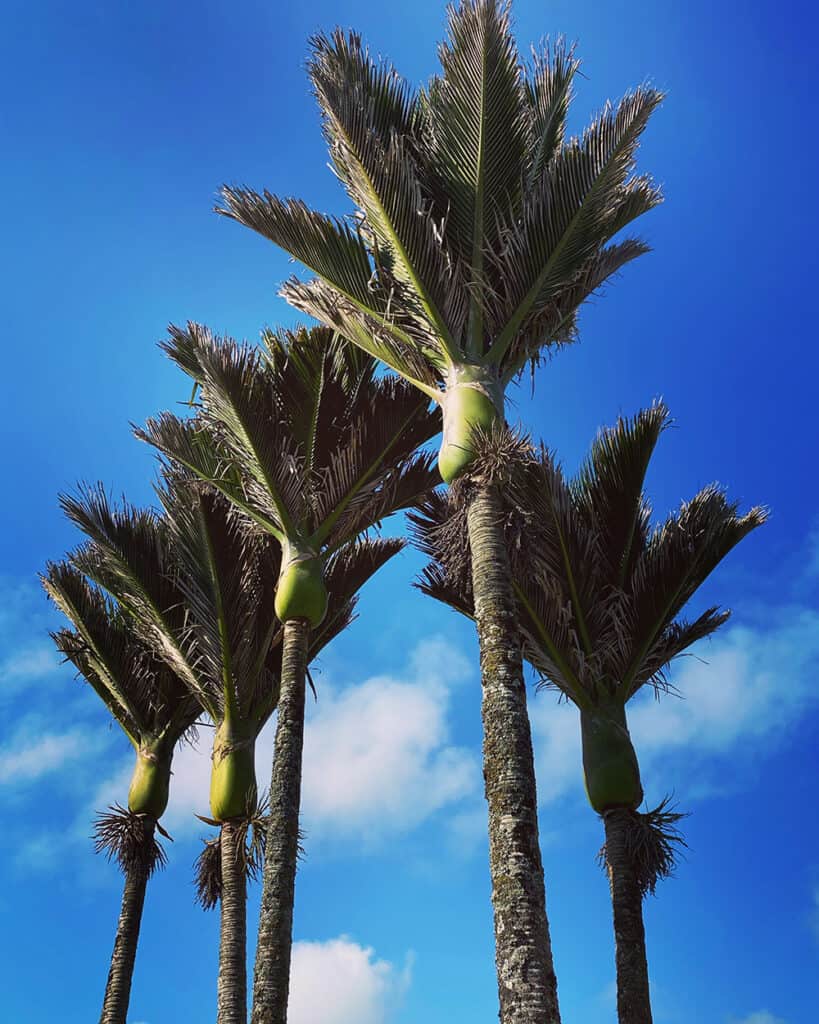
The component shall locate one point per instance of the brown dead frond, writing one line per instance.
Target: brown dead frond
(653, 844)
(130, 839)
(250, 843)
(499, 452)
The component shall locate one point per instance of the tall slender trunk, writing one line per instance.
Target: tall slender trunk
(231, 992)
(527, 986)
(271, 978)
(633, 1003)
(118, 987)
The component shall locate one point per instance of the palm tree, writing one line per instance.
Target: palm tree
(306, 440)
(600, 595)
(479, 229)
(222, 637)
(154, 710)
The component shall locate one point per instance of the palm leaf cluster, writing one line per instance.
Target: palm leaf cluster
(479, 227)
(600, 591)
(290, 433)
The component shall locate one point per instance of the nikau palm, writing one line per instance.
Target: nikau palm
(479, 229)
(194, 586)
(600, 596)
(307, 441)
(154, 710)
(221, 635)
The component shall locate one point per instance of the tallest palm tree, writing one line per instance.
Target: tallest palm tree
(479, 229)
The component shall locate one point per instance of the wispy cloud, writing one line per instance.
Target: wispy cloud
(752, 682)
(760, 1017)
(341, 982)
(26, 760)
(378, 759)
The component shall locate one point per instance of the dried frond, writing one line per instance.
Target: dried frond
(251, 844)
(208, 879)
(500, 452)
(653, 844)
(129, 839)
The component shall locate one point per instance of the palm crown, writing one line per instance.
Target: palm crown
(600, 593)
(479, 227)
(145, 696)
(305, 439)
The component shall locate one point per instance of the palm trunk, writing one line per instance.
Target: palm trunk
(118, 987)
(271, 978)
(231, 992)
(527, 986)
(633, 1004)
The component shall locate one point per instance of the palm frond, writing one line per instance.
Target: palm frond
(548, 91)
(359, 98)
(586, 192)
(227, 575)
(417, 361)
(130, 557)
(678, 557)
(554, 323)
(476, 141)
(608, 490)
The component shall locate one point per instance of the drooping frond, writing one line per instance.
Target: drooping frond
(303, 435)
(130, 556)
(476, 123)
(599, 595)
(227, 576)
(146, 698)
(375, 154)
(677, 558)
(585, 198)
(478, 228)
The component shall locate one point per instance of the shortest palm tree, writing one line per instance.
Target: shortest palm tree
(154, 710)
(599, 598)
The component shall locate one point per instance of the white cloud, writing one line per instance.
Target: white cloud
(340, 982)
(27, 759)
(748, 684)
(32, 662)
(377, 756)
(761, 1017)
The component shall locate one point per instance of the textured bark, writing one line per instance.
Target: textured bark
(231, 992)
(271, 978)
(633, 1004)
(527, 986)
(118, 987)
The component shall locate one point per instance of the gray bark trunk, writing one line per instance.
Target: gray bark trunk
(633, 1002)
(271, 978)
(118, 987)
(231, 992)
(527, 986)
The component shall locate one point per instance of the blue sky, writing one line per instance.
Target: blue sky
(120, 122)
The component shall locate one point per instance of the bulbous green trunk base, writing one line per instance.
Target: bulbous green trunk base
(472, 400)
(148, 792)
(301, 592)
(610, 767)
(233, 791)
